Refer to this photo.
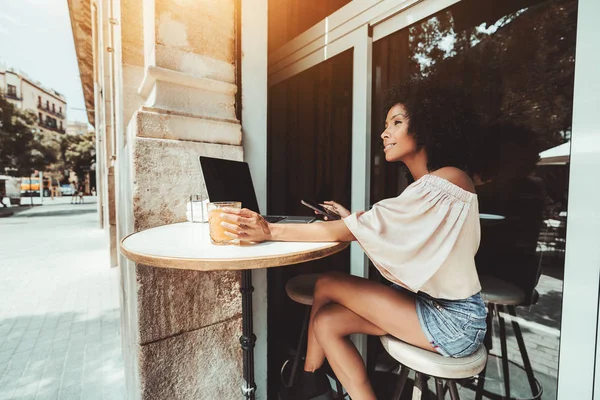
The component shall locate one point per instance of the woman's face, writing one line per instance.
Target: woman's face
(398, 144)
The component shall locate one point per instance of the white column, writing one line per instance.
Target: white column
(254, 132)
(578, 362)
(361, 150)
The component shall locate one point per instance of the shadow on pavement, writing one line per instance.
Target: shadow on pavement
(56, 213)
(61, 355)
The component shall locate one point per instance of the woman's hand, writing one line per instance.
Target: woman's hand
(336, 208)
(245, 225)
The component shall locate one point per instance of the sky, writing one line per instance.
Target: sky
(36, 38)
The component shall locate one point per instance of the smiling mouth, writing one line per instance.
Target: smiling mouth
(388, 146)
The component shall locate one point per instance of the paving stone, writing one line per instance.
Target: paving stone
(47, 394)
(70, 393)
(72, 377)
(6, 355)
(27, 391)
(10, 344)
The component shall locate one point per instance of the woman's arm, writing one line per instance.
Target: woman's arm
(335, 231)
(247, 225)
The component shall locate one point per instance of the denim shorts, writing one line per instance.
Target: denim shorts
(455, 328)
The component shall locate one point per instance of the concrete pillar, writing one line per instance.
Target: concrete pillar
(109, 128)
(180, 328)
(97, 45)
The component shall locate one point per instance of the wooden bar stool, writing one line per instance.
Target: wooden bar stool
(497, 294)
(301, 289)
(429, 364)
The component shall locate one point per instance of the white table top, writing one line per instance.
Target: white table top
(187, 245)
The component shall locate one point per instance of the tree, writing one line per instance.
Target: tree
(517, 63)
(79, 152)
(25, 148)
(18, 150)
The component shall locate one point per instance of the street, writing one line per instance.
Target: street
(59, 308)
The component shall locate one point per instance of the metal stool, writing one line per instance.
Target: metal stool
(499, 294)
(429, 364)
(301, 289)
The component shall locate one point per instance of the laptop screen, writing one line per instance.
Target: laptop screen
(228, 180)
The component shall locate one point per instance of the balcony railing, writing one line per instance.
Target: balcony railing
(52, 128)
(49, 111)
(13, 96)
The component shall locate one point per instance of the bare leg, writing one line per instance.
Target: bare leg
(333, 325)
(348, 305)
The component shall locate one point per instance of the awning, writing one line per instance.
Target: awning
(558, 155)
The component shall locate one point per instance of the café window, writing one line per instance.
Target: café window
(525, 103)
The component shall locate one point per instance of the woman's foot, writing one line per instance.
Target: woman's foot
(310, 386)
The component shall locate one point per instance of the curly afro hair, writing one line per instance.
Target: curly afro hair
(441, 119)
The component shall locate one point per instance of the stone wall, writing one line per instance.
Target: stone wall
(164, 92)
(180, 328)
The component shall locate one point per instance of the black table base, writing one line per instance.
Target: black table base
(247, 339)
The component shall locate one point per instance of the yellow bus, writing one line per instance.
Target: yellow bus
(30, 186)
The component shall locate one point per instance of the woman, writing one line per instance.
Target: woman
(423, 241)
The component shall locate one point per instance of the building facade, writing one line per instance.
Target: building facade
(76, 128)
(166, 81)
(49, 106)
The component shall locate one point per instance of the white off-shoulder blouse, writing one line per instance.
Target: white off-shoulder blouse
(425, 239)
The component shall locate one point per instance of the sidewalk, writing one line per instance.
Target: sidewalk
(59, 314)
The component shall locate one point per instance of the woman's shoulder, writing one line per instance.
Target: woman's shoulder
(456, 176)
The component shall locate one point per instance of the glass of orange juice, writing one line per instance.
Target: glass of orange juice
(217, 232)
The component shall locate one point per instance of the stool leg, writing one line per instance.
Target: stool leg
(487, 340)
(419, 387)
(339, 388)
(480, 384)
(505, 372)
(401, 382)
(453, 390)
(439, 389)
(523, 350)
(299, 348)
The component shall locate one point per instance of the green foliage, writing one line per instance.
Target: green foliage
(18, 152)
(79, 152)
(25, 148)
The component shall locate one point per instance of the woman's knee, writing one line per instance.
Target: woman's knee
(327, 320)
(326, 281)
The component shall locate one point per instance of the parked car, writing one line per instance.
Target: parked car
(10, 186)
(67, 190)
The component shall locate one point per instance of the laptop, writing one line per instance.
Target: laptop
(228, 180)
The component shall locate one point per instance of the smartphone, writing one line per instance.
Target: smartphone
(332, 215)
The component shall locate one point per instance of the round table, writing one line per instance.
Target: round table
(187, 245)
